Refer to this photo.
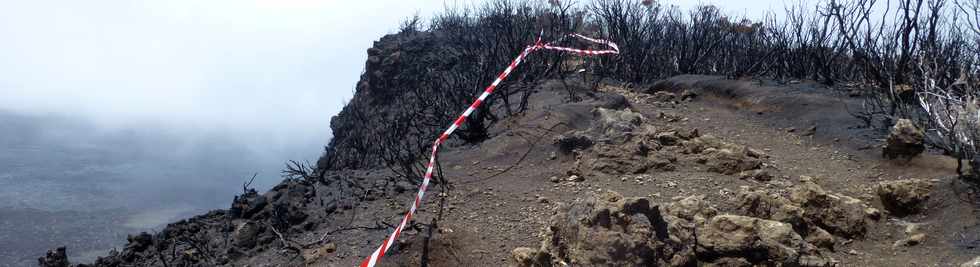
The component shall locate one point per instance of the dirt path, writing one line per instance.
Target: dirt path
(734, 138)
(491, 211)
(837, 153)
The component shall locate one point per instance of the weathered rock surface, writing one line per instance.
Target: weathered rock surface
(723, 157)
(529, 257)
(904, 197)
(608, 230)
(693, 208)
(762, 204)
(612, 230)
(838, 214)
(755, 239)
(905, 141)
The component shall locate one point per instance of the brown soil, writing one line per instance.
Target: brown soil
(502, 197)
(501, 193)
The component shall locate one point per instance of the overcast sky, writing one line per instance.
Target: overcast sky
(282, 66)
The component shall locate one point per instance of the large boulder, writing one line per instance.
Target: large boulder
(904, 141)
(754, 239)
(904, 197)
(839, 214)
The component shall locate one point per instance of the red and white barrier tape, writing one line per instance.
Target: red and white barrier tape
(380, 252)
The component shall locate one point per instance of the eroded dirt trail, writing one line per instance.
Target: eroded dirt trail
(695, 170)
(507, 189)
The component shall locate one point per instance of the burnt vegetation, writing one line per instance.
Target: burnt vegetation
(906, 59)
(914, 59)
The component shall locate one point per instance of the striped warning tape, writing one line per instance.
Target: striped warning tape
(386, 244)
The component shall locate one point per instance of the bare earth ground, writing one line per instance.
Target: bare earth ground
(503, 192)
(502, 195)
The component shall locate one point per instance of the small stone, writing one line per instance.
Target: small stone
(911, 228)
(757, 174)
(552, 156)
(910, 241)
(810, 131)
(916, 239)
(873, 213)
(853, 252)
(554, 179)
(688, 95)
(543, 200)
(575, 178)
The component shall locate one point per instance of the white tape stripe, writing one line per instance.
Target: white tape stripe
(468, 111)
(374, 257)
(451, 129)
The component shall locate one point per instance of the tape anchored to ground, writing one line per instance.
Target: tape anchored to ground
(386, 244)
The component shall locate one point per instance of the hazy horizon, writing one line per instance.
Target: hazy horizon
(282, 67)
(120, 116)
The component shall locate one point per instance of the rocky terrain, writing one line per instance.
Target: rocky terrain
(687, 171)
(694, 173)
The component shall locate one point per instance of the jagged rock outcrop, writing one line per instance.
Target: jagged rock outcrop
(816, 214)
(611, 230)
